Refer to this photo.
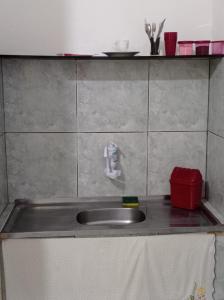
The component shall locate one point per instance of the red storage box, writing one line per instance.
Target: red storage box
(186, 188)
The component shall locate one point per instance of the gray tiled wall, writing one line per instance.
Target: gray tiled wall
(216, 136)
(216, 105)
(178, 107)
(215, 173)
(178, 95)
(60, 115)
(169, 149)
(133, 158)
(112, 96)
(39, 95)
(40, 115)
(3, 177)
(1, 101)
(41, 165)
(3, 180)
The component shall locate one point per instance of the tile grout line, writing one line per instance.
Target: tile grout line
(148, 102)
(217, 135)
(104, 132)
(147, 165)
(76, 96)
(206, 154)
(77, 137)
(147, 142)
(5, 145)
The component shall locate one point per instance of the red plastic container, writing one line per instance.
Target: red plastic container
(170, 39)
(217, 47)
(185, 47)
(186, 188)
(202, 47)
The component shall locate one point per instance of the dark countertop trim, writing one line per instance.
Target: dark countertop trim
(162, 57)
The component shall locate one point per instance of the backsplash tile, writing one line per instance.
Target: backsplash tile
(215, 165)
(216, 107)
(112, 96)
(215, 176)
(112, 105)
(40, 95)
(3, 178)
(41, 165)
(178, 95)
(1, 101)
(170, 149)
(133, 158)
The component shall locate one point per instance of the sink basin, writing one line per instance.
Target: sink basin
(111, 216)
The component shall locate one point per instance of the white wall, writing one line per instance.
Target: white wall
(218, 17)
(87, 26)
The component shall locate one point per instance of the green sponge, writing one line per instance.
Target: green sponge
(130, 201)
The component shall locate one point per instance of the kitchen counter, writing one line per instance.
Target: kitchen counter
(28, 219)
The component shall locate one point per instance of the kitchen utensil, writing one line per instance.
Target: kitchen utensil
(170, 39)
(153, 29)
(157, 46)
(158, 37)
(160, 28)
(121, 54)
(148, 29)
(152, 46)
(152, 39)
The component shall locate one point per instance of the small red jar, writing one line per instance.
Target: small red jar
(202, 47)
(186, 188)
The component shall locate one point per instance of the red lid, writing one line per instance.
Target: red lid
(185, 42)
(217, 42)
(202, 42)
(186, 176)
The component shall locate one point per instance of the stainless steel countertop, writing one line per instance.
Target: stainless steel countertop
(28, 219)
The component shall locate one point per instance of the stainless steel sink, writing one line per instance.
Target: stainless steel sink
(36, 219)
(111, 216)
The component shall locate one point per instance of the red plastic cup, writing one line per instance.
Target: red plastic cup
(170, 39)
(202, 47)
(185, 47)
(217, 47)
